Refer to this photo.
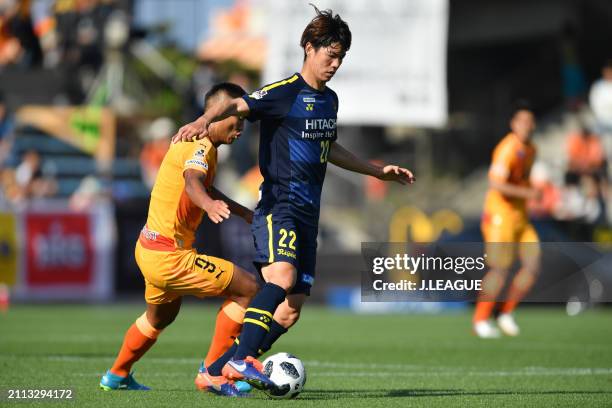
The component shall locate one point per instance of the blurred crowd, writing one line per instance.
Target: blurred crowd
(88, 43)
(583, 194)
(74, 36)
(49, 33)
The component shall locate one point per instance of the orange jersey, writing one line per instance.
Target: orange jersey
(173, 218)
(512, 161)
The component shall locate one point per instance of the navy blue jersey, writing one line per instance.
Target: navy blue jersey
(298, 126)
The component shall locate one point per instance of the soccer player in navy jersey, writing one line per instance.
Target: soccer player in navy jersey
(298, 139)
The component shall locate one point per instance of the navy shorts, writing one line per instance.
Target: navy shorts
(282, 238)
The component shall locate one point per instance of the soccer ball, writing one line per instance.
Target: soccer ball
(287, 372)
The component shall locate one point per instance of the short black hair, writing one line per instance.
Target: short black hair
(324, 30)
(520, 105)
(231, 89)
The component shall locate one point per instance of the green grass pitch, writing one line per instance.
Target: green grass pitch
(356, 361)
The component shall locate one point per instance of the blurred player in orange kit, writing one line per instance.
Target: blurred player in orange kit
(505, 224)
(182, 193)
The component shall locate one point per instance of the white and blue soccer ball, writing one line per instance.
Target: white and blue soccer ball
(288, 373)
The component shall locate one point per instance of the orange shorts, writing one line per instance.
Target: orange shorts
(172, 274)
(502, 233)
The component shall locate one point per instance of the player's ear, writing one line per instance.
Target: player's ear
(309, 49)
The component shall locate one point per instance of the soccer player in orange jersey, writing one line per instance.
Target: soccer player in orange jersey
(182, 193)
(505, 226)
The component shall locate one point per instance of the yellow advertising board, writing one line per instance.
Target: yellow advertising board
(8, 249)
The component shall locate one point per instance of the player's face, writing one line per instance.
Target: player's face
(325, 61)
(523, 124)
(230, 128)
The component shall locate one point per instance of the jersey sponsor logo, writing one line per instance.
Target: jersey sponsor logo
(307, 279)
(320, 124)
(309, 99)
(149, 234)
(259, 94)
(195, 162)
(285, 252)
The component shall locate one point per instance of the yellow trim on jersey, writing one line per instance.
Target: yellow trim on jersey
(270, 239)
(257, 322)
(260, 311)
(279, 83)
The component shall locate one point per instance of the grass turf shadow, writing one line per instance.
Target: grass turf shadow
(341, 394)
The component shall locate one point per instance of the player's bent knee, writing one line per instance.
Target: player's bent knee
(282, 274)
(161, 316)
(243, 284)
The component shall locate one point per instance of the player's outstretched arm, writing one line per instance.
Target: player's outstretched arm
(198, 129)
(513, 191)
(234, 207)
(341, 157)
(217, 210)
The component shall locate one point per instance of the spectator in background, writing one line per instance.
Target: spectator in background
(600, 99)
(44, 22)
(586, 156)
(547, 204)
(89, 192)
(156, 145)
(7, 127)
(18, 44)
(10, 49)
(587, 165)
(31, 181)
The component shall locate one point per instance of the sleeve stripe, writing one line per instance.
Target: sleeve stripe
(279, 83)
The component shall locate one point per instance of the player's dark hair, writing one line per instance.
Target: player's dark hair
(325, 29)
(231, 89)
(520, 105)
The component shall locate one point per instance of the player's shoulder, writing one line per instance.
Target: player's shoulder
(506, 145)
(334, 96)
(285, 87)
(332, 92)
(200, 147)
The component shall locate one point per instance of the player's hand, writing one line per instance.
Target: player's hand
(195, 130)
(397, 174)
(217, 211)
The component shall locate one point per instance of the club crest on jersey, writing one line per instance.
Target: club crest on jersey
(195, 162)
(259, 94)
(199, 153)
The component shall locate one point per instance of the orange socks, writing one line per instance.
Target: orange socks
(138, 340)
(483, 311)
(227, 329)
